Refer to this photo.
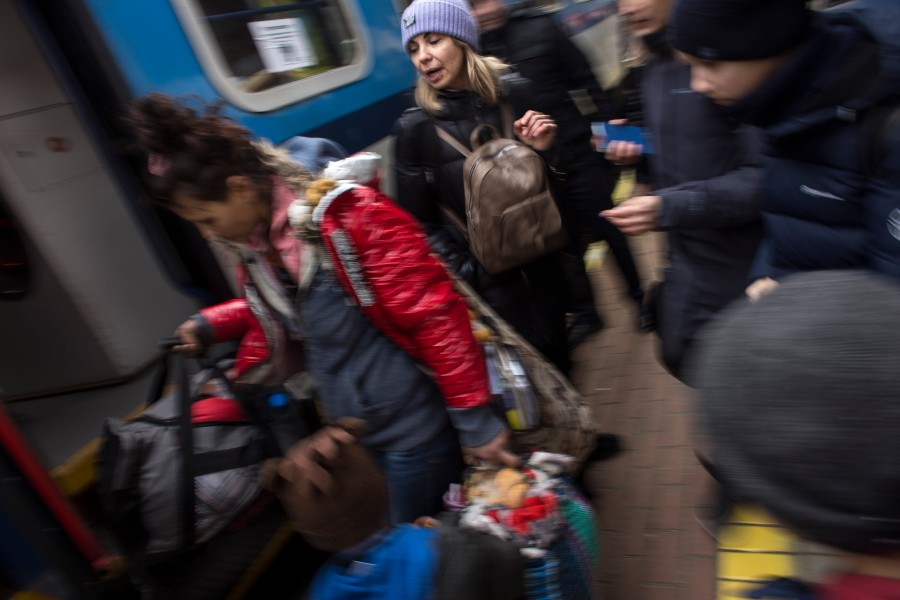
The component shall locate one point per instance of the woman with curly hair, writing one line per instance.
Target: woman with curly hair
(341, 270)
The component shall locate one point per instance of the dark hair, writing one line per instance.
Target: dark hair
(200, 148)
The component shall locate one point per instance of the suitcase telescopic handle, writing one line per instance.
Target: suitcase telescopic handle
(168, 343)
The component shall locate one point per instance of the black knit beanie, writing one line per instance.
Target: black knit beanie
(799, 395)
(738, 29)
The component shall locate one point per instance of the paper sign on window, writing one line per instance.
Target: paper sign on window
(283, 44)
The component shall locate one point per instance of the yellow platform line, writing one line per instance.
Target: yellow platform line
(79, 471)
(752, 548)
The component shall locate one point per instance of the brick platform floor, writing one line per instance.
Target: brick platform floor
(651, 545)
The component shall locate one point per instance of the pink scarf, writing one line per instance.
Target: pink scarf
(279, 233)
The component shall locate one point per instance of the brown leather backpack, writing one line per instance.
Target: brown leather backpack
(512, 218)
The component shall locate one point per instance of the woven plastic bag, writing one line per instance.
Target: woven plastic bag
(539, 509)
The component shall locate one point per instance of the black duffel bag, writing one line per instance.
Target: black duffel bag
(187, 467)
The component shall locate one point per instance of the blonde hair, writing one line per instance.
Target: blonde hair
(484, 76)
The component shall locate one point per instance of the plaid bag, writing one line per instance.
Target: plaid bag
(184, 469)
(567, 568)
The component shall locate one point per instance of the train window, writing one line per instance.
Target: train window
(265, 54)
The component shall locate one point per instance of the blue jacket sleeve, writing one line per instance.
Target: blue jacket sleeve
(762, 265)
(882, 214)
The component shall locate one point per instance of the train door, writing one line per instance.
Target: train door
(90, 263)
(92, 276)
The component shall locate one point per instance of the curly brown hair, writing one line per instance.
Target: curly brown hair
(201, 148)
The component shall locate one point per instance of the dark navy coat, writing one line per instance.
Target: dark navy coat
(832, 194)
(706, 169)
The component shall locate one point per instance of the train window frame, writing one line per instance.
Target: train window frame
(208, 52)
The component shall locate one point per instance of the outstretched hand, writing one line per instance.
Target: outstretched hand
(621, 152)
(635, 215)
(536, 129)
(495, 452)
(760, 288)
(624, 153)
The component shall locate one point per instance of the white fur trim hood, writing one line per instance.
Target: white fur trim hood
(358, 169)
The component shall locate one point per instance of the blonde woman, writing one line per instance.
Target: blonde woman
(459, 89)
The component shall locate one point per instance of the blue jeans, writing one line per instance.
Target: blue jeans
(418, 478)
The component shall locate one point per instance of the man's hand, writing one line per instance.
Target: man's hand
(536, 129)
(623, 153)
(635, 215)
(760, 288)
(495, 452)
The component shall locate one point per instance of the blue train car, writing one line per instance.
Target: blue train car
(329, 68)
(315, 67)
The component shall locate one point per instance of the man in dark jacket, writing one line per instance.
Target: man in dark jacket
(542, 53)
(826, 88)
(707, 184)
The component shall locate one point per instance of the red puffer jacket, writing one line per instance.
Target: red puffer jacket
(234, 320)
(383, 259)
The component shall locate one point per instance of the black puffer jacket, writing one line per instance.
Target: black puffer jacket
(429, 173)
(538, 49)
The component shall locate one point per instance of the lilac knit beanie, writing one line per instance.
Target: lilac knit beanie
(450, 17)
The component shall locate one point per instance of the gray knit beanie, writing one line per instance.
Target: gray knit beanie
(799, 395)
(450, 17)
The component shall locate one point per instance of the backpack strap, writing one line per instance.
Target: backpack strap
(186, 492)
(454, 218)
(452, 141)
(507, 116)
(456, 145)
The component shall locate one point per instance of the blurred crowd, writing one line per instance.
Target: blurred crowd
(764, 142)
